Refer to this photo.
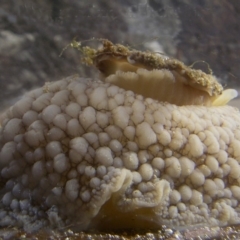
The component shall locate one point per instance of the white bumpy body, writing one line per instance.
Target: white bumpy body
(79, 152)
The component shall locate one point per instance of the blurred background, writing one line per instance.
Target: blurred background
(33, 34)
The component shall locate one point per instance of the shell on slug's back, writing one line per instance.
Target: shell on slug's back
(161, 78)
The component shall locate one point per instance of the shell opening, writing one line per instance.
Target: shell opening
(225, 97)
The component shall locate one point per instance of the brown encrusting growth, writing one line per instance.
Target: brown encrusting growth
(190, 86)
(127, 59)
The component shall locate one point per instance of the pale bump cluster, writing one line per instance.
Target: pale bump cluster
(74, 145)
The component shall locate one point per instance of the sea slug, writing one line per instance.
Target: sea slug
(152, 142)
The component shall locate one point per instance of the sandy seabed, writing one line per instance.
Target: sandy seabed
(201, 233)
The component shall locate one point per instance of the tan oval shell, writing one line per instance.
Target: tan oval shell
(188, 86)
